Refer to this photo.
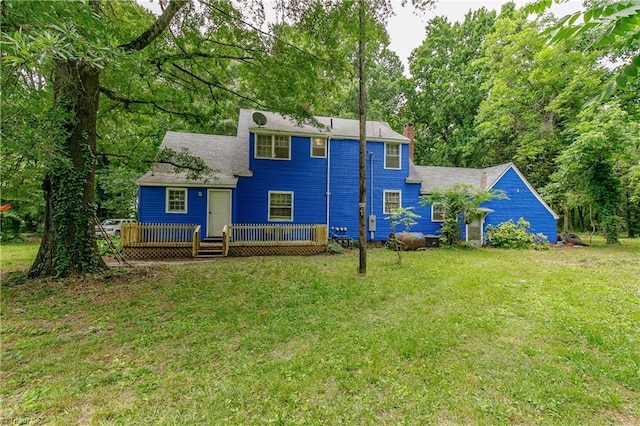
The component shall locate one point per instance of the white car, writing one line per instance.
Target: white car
(112, 226)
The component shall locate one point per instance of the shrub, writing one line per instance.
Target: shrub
(509, 235)
(103, 247)
(334, 248)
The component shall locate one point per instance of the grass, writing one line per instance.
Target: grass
(447, 337)
(16, 257)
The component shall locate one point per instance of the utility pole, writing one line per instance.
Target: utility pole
(362, 230)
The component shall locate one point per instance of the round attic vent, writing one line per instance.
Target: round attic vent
(259, 118)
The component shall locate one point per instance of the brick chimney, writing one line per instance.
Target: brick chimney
(483, 180)
(409, 134)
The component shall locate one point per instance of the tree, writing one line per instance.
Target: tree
(405, 218)
(449, 88)
(535, 93)
(94, 64)
(604, 145)
(69, 66)
(613, 26)
(461, 203)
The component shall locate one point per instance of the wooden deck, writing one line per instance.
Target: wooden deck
(270, 239)
(148, 241)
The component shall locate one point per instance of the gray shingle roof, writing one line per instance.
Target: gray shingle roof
(329, 127)
(445, 177)
(227, 155)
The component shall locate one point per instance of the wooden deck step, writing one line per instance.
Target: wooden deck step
(208, 249)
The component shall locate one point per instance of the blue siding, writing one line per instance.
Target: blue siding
(520, 202)
(306, 178)
(344, 187)
(343, 204)
(152, 204)
(303, 175)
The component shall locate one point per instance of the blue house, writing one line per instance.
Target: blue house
(276, 170)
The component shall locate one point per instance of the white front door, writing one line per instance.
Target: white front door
(219, 211)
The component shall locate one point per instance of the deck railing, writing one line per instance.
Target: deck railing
(274, 235)
(159, 235)
(167, 240)
(195, 246)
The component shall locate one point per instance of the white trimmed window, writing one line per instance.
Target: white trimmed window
(273, 147)
(437, 212)
(319, 147)
(392, 156)
(392, 200)
(280, 206)
(176, 200)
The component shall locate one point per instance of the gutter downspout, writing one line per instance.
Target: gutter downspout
(371, 156)
(328, 194)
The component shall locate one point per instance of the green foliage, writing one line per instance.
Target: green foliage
(448, 82)
(510, 235)
(116, 191)
(535, 93)
(105, 250)
(613, 26)
(601, 157)
(461, 203)
(333, 247)
(71, 218)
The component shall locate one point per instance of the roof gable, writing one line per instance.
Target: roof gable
(528, 185)
(226, 155)
(445, 177)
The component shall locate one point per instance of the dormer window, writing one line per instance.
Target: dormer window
(392, 156)
(273, 147)
(319, 147)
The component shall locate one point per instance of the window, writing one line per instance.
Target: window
(392, 200)
(437, 212)
(176, 200)
(392, 156)
(318, 147)
(273, 146)
(280, 206)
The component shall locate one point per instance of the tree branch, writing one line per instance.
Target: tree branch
(126, 102)
(190, 55)
(156, 29)
(218, 85)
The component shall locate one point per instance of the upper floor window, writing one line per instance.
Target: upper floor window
(280, 206)
(273, 146)
(437, 212)
(392, 155)
(176, 200)
(318, 147)
(392, 200)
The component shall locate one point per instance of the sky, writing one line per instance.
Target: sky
(407, 30)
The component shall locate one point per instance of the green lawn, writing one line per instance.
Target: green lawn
(16, 257)
(447, 337)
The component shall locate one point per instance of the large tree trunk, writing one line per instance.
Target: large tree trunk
(69, 244)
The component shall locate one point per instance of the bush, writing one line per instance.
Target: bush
(509, 235)
(334, 248)
(103, 247)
